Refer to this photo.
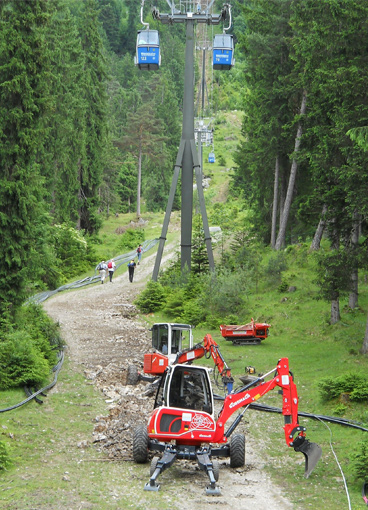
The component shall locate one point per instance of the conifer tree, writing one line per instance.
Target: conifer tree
(95, 97)
(143, 138)
(23, 94)
(64, 145)
(269, 104)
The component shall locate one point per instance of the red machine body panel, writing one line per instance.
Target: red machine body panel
(155, 363)
(182, 425)
(251, 330)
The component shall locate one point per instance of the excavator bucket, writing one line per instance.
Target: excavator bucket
(312, 453)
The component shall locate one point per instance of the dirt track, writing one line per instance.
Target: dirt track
(101, 342)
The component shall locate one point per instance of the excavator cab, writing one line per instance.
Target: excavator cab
(183, 406)
(168, 339)
(185, 387)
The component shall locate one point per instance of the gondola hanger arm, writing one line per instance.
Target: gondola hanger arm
(227, 12)
(143, 23)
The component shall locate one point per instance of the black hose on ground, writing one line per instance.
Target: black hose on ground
(331, 419)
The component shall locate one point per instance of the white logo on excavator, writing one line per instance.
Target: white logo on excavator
(233, 404)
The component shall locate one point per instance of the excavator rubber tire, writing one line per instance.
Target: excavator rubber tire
(237, 450)
(132, 375)
(216, 469)
(140, 444)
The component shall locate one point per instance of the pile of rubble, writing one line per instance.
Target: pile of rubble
(128, 406)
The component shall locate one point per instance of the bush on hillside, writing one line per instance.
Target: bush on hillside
(355, 385)
(131, 239)
(174, 306)
(152, 298)
(45, 333)
(28, 349)
(71, 249)
(193, 313)
(21, 362)
(208, 299)
(275, 267)
(4, 456)
(360, 460)
(224, 293)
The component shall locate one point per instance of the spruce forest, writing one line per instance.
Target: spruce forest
(85, 135)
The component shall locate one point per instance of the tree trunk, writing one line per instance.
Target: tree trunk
(335, 310)
(282, 198)
(280, 241)
(139, 181)
(274, 208)
(353, 296)
(364, 349)
(335, 302)
(316, 243)
(79, 221)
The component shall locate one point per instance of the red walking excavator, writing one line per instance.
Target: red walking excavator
(183, 424)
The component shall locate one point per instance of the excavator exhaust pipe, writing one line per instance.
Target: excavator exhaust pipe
(312, 453)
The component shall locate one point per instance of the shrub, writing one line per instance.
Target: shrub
(4, 456)
(193, 313)
(71, 250)
(276, 265)
(174, 306)
(225, 292)
(283, 287)
(360, 460)
(152, 298)
(28, 349)
(353, 384)
(131, 239)
(221, 160)
(21, 362)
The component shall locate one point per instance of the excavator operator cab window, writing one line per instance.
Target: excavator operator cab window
(161, 394)
(176, 341)
(160, 337)
(189, 388)
(164, 346)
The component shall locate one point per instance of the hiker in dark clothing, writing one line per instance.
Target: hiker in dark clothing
(131, 267)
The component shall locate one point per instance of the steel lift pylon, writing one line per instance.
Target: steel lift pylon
(187, 158)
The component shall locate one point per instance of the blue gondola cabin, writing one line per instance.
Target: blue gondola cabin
(223, 52)
(211, 157)
(148, 50)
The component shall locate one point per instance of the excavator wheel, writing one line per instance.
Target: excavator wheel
(216, 469)
(132, 375)
(140, 444)
(237, 450)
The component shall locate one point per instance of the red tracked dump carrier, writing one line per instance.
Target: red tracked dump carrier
(247, 334)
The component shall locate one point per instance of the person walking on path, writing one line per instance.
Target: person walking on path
(111, 266)
(131, 267)
(102, 267)
(139, 253)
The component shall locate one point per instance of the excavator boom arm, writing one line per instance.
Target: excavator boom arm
(248, 395)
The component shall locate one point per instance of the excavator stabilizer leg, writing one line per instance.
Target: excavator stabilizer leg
(165, 462)
(204, 462)
(312, 453)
